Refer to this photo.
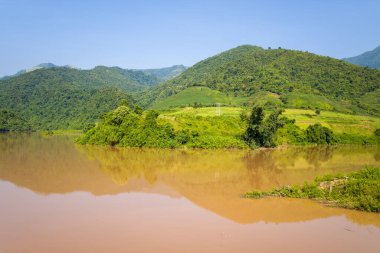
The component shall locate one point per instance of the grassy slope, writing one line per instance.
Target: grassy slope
(208, 97)
(338, 122)
(189, 117)
(214, 131)
(199, 95)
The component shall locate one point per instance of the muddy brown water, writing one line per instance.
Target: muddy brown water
(56, 196)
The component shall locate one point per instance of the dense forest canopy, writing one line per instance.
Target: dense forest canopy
(64, 98)
(10, 121)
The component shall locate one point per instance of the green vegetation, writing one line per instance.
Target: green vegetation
(347, 128)
(165, 74)
(319, 134)
(65, 98)
(313, 101)
(260, 132)
(9, 121)
(51, 97)
(128, 128)
(358, 190)
(123, 79)
(298, 79)
(234, 128)
(204, 128)
(368, 59)
(197, 97)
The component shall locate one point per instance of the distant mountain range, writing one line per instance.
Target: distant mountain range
(40, 66)
(369, 59)
(165, 74)
(162, 74)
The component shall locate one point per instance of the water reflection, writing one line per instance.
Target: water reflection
(213, 180)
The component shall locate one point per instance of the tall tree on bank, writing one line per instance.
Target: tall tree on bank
(260, 132)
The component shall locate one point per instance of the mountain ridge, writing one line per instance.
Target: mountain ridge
(369, 59)
(245, 70)
(163, 74)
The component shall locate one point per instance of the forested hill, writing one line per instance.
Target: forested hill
(165, 74)
(369, 59)
(52, 97)
(246, 70)
(125, 79)
(65, 98)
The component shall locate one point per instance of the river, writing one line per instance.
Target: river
(57, 196)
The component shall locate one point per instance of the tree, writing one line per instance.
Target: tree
(253, 134)
(269, 128)
(261, 132)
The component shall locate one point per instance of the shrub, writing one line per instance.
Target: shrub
(357, 190)
(319, 134)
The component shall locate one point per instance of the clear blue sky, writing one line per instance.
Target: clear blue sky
(146, 34)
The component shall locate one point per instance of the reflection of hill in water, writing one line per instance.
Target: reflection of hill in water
(211, 179)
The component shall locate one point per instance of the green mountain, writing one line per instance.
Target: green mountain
(369, 59)
(287, 77)
(52, 97)
(165, 74)
(66, 98)
(124, 79)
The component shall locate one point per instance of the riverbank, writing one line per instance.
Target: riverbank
(129, 127)
(358, 190)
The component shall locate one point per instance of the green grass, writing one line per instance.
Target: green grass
(307, 101)
(365, 106)
(61, 132)
(199, 95)
(204, 111)
(348, 128)
(212, 131)
(338, 122)
(266, 100)
(357, 190)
